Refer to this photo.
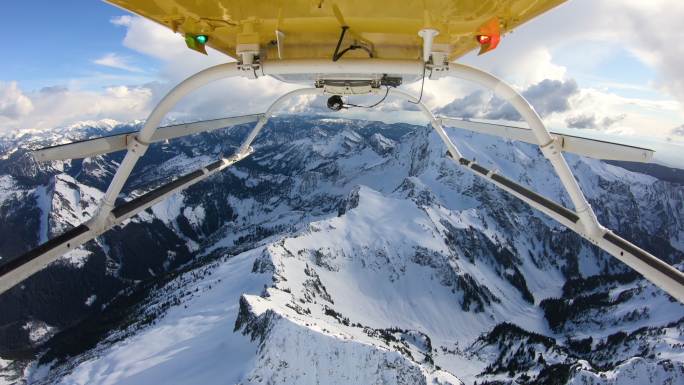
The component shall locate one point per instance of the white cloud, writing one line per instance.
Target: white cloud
(13, 103)
(151, 39)
(562, 104)
(115, 61)
(124, 20)
(622, 115)
(588, 33)
(521, 67)
(58, 106)
(233, 96)
(548, 97)
(678, 131)
(651, 30)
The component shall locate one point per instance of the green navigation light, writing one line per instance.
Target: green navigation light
(202, 39)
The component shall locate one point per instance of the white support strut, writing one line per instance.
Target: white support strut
(592, 148)
(582, 220)
(104, 145)
(37, 259)
(139, 144)
(660, 273)
(546, 142)
(586, 224)
(272, 109)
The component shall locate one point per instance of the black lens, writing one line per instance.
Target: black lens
(335, 102)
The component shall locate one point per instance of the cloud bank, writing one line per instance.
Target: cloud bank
(13, 103)
(547, 97)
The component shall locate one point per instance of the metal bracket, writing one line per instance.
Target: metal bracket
(136, 146)
(552, 148)
(251, 70)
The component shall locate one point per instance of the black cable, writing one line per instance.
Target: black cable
(374, 105)
(338, 54)
(421, 88)
(353, 47)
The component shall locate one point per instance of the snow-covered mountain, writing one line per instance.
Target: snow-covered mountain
(341, 252)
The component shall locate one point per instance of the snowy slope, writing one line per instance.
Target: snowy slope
(192, 343)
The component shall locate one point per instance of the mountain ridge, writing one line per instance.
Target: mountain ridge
(489, 255)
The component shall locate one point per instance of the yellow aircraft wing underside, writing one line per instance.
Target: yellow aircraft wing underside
(294, 29)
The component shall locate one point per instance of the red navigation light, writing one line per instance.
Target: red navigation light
(484, 39)
(488, 35)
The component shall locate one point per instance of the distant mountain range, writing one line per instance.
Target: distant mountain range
(669, 174)
(341, 252)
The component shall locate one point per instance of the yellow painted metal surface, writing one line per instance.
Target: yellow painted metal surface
(311, 28)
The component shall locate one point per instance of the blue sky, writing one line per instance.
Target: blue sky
(55, 42)
(86, 52)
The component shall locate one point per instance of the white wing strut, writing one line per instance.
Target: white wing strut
(107, 144)
(582, 219)
(18, 269)
(22, 267)
(591, 148)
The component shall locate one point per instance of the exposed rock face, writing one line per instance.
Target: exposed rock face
(340, 252)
